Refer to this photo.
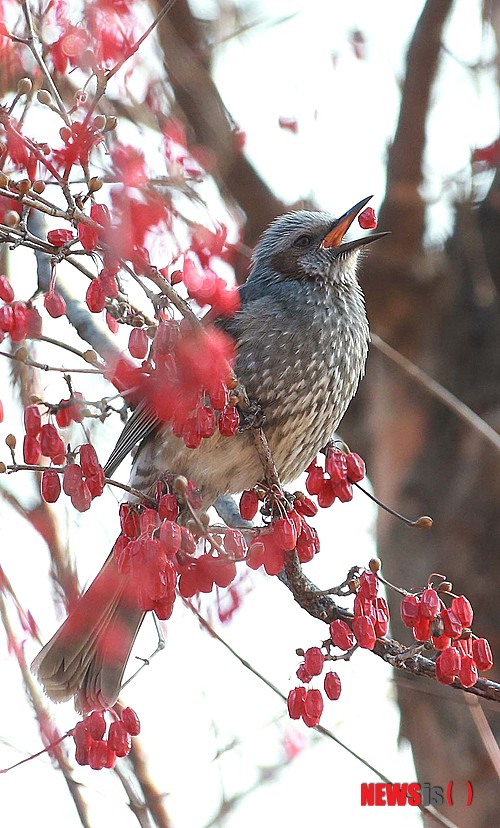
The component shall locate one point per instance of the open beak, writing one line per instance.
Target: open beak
(340, 227)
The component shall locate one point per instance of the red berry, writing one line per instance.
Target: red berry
(6, 291)
(59, 237)
(367, 219)
(51, 486)
(98, 755)
(205, 418)
(131, 721)
(341, 635)
(72, 478)
(170, 537)
(336, 465)
(95, 296)
(303, 675)
(54, 304)
(441, 642)
(296, 702)
(368, 585)
(249, 503)
(88, 460)
(32, 420)
(138, 343)
(422, 629)
(285, 534)
(81, 735)
(327, 493)
(6, 319)
(305, 506)
(381, 622)
(356, 468)
(363, 629)
(468, 671)
(168, 508)
(313, 705)
(129, 520)
(229, 421)
(82, 755)
(410, 610)
(50, 441)
(462, 608)
(451, 623)
(429, 604)
(235, 544)
(343, 491)
(481, 652)
(119, 739)
(191, 433)
(31, 450)
(81, 497)
(96, 724)
(448, 665)
(314, 661)
(333, 686)
(314, 481)
(256, 554)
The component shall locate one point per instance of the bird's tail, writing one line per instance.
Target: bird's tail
(86, 657)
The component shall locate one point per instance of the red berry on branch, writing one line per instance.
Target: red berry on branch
(50, 441)
(314, 661)
(168, 508)
(32, 420)
(481, 652)
(313, 707)
(138, 343)
(96, 724)
(343, 491)
(448, 665)
(59, 237)
(88, 460)
(51, 486)
(98, 755)
(368, 585)
(31, 450)
(296, 702)
(410, 610)
(19, 327)
(229, 421)
(205, 418)
(462, 608)
(468, 671)
(305, 506)
(452, 624)
(81, 497)
(285, 534)
(81, 735)
(341, 635)
(6, 290)
(381, 622)
(95, 297)
(363, 629)
(129, 520)
(72, 478)
(256, 554)
(249, 503)
(441, 642)
(303, 675)
(422, 629)
(235, 544)
(54, 304)
(170, 537)
(367, 219)
(336, 465)
(332, 686)
(326, 494)
(131, 721)
(119, 739)
(315, 478)
(429, 604)
(356, 468)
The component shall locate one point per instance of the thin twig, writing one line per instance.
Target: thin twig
(466, 414)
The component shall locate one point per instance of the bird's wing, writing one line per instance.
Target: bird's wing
(142, 423)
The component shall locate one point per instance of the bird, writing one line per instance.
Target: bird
(302, 337)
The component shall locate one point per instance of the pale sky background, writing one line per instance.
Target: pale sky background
(194, 700)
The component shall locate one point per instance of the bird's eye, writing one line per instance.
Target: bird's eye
(302, 241)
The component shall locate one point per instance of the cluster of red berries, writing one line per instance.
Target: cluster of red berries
(41, 439)
(206, 288)
(17, 319)
(98, 751)
(342, 469)
(448, 630)
(82, 481)
(371, 620)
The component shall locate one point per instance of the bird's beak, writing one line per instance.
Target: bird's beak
(340, 227)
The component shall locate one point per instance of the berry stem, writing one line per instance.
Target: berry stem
(423, 522)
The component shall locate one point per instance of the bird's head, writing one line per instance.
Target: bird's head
(310, 245)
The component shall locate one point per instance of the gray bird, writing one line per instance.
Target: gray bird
(302, 341)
